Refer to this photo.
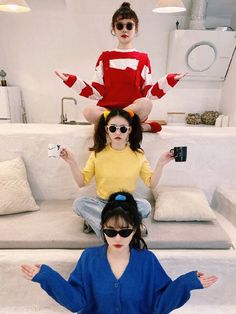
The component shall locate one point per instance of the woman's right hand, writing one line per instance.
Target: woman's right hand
(68, 156)
(62, 76)
(30, 271)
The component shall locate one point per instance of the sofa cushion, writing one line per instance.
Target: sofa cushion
(15, 192)
(56, 226)
(181, 204)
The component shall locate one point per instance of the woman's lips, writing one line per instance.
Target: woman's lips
(117, 246)
(124, 36)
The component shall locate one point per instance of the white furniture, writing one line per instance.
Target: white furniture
(211, 160)
(211, 154)
(224, 200)
(11, 109)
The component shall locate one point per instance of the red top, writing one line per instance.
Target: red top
(122, 76)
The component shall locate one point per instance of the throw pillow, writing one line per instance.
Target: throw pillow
(15, 192)
(181, 204)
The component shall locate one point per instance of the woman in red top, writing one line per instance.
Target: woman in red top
(122, 76)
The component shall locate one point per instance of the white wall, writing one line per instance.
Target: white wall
(228, 98)
(69, 36)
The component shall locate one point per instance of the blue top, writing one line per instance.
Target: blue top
(143, 288)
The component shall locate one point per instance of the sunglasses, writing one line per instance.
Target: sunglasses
(129, 26)
(124, 233)
(121, 128)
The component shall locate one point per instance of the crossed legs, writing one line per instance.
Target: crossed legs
(142, 107)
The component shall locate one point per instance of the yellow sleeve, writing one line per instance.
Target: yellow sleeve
(89, 169)
(146, 171)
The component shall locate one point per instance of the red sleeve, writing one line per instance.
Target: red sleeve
(171, 79)
(70, 80)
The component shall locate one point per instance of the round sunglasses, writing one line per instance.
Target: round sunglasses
(129, 26)
(121, 128)
(124, 233)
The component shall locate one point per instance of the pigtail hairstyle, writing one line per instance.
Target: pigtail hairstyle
(100, 134)
(125, 12)
(123, 205)
(136, 134)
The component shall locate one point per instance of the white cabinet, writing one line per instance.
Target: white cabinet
(11, 108)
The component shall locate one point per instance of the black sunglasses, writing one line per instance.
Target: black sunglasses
(129, 26)
(121, 128)
(124, 233)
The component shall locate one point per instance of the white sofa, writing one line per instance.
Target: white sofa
(211, 160)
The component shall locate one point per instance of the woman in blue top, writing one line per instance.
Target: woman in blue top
(121, 276)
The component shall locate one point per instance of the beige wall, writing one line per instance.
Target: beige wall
(228, 98)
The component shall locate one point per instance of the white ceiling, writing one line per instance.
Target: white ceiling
(216, 8)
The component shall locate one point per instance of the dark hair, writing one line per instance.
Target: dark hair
(100, 134)
(122, 204)
(124, 12)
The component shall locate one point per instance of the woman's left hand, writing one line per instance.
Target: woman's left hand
(165, 158)
(179, 76)
(206, 281)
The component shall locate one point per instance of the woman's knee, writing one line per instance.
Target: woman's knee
(92, 113)
(87, 112)
(143, 101)
(79, 205)
(142, 107)
(144, 208)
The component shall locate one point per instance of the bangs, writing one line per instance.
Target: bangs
(118, 217)
(117, 222)
(127, 16)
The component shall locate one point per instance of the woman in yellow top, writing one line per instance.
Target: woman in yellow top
(117, 161)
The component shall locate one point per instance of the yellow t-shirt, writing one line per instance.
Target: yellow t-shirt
(116, 170)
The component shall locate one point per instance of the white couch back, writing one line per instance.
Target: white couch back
(211, 156)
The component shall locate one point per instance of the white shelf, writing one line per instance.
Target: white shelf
(11, 109)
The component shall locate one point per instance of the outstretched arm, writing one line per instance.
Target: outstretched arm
(162, 86)
(94, 91)
(68, 294)
(162, 161)
(68, 156)
(177, 293)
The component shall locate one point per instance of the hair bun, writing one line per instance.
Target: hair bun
(120, 197)
(125, 5)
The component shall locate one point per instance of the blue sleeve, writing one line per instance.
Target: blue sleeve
(176, 293)
(69, 294)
